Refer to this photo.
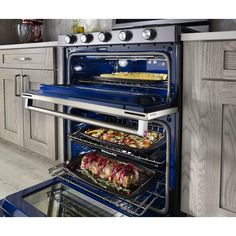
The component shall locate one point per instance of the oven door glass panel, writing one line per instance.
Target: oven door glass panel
(59, 200)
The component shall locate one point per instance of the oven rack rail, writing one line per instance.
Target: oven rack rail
(156, 85)
(134, 207)
(68, 206)
(156, 161)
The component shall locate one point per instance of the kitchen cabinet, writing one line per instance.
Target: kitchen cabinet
(208, 178)
(11, 112)
(39, 129)
(28, 129)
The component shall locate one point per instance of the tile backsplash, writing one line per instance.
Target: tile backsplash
(8, 32)
(54, 27)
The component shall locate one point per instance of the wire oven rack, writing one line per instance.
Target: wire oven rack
(110, 149)
(153, 158)
(136, 206)
(158, 84)
(68, 206)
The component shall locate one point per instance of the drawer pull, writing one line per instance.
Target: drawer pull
(22, 59)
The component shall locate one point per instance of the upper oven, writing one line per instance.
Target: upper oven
(135, 81)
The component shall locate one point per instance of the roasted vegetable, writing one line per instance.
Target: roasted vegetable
(125, 139)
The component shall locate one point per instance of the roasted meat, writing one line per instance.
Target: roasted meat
(117, 173)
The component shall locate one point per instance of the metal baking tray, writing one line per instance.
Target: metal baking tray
(110, 79)
(146, 177)
(153, 147)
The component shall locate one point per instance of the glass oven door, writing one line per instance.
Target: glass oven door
(59, 200)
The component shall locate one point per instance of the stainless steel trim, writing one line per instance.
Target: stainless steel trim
(16, 85)
(60, 122)
(69, 151)
(127, 54)
(165, 34)
(155, 22)
(102, 109)
(140, 131)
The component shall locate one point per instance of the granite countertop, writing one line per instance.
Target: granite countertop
(30, 45)
(212, 36)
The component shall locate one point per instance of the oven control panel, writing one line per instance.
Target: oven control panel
(128, 36)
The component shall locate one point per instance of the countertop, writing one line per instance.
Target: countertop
(30, 45)
(212, 36)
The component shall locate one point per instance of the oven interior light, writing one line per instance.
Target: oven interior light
(123, 63)
(78, 68)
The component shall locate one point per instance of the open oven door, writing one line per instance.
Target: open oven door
(98, 107)
(53, 198)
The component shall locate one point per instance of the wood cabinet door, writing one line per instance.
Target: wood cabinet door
(208, 175)
(218, 147)
(39, 129)
(11, 124)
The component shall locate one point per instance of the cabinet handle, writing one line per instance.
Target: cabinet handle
(22, 59)
(17, 93)
(23, 79)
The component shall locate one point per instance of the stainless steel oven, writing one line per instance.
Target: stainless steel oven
(124, 82)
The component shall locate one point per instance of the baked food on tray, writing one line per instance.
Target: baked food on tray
(135, 76)
(109, 173)
(122, 138)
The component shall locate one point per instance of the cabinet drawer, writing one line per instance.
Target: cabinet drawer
(33, 58)
(219, 60)
(229, 70)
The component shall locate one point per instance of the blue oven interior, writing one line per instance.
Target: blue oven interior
(83, 71)
(83, 82)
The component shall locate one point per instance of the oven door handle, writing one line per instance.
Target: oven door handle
(141, 130)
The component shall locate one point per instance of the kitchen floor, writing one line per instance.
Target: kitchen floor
(20, 169)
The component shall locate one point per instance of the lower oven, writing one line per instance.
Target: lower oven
(127, 95)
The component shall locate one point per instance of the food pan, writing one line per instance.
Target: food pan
(154, 146)
(134, 81)
(146, 177)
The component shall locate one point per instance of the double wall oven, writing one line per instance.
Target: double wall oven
(120, 105)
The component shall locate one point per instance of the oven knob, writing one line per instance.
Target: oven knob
(125, 35)
(149, 34)
(70, 39)
(104, 36)
(86, 38)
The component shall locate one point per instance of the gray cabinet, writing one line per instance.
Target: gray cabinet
(11, 123)
(39, 129)
(33, 131)
(208, 180)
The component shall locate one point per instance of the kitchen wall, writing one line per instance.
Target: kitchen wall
(54, 27)
(8, 32)
(223, 25)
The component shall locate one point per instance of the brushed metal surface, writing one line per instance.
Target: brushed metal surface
(164, 34)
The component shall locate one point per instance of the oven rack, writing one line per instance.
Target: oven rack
(68, 206)
(156, 85)
(134, 207)
(159, 160)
